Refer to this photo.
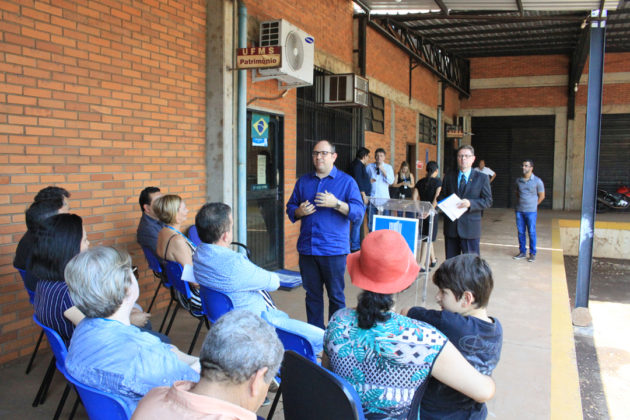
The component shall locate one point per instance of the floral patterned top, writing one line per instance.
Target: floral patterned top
(386, 363)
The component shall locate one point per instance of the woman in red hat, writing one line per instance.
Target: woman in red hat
(387, 356)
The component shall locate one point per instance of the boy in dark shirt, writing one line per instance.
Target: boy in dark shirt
(465, 283)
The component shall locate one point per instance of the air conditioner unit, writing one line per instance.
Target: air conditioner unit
(298, 52)
(345, 90)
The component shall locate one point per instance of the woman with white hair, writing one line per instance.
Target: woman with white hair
(107, 352)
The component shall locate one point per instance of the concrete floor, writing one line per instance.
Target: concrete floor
(522, 301)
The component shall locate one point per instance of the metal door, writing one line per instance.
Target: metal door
(264, 191)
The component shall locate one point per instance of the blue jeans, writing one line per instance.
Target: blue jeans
(313, 334)
(526, 220)
(318, 271)
(355, 234)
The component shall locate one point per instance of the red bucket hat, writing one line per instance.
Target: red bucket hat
(385, 264)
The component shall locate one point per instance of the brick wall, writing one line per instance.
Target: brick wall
(102, 98)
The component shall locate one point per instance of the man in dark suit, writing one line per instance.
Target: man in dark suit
(473, 187)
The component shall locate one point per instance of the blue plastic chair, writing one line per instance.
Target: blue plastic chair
(31, 299)
(297, 343)
(215, 304)
(158, 272)
(98, 404)
(193, 235)
(310, 392)
(184, 297)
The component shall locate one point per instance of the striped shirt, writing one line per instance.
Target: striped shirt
(51, 301)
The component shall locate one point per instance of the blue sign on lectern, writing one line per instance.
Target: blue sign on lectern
(408, 228)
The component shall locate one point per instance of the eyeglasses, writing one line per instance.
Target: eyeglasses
(464, 156)
(324, 153)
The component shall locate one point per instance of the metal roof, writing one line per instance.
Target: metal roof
(503, 27)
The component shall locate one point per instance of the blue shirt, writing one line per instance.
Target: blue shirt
(148, 230)
(122, 360)
(466, 176)
(383, 179)
(327, 231)
(222, 269)
(479, 342)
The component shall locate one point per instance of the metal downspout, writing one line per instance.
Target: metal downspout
(241, 188)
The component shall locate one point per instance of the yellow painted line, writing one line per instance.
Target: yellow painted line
(575, 223)
(565, 383)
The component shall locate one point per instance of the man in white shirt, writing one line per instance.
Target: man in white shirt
(381, 176)
(485, 170)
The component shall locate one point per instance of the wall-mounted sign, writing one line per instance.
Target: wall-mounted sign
(258, 57)
(419, 164)
(260, 131)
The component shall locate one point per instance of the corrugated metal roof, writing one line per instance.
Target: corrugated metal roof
(495, 28)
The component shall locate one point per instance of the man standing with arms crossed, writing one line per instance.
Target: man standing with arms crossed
(530, 192)
(462, 236)
(325, 201)
(381, 176)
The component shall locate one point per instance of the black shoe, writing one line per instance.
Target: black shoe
(433, 264)
(422, 270)
(532, 258)
(520, 256)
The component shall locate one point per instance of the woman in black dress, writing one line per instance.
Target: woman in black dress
(428, 189)
(404, 181)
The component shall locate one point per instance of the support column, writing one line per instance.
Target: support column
(219, 102)
(591, 160)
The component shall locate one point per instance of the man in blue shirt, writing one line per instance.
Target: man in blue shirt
(381, 177)
(359, 173)
(218, 267)
(462, 236)
(149, 226)
(325, 201)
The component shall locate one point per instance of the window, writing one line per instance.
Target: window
(427, 130)
(375, 114)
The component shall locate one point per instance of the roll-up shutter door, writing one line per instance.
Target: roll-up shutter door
(504, 142)
(614, 152)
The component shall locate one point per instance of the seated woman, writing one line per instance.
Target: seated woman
(106, 351)
(172, 244)
(384, 355)
(60, 238)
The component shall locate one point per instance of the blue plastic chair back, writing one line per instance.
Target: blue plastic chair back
(174, 272)
(310, 392)
(215, 304)
(57, 345)
(100, 405)
(193, 235)
(152, 259)
(296, 342)
(24, 275)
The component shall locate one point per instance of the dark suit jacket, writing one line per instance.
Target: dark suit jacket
(359, 173)
(478, 192)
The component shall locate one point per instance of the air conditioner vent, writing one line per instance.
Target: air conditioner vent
(344, 90)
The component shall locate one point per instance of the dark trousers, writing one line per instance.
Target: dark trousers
(355, 235)
(456, 246)
(318, 271)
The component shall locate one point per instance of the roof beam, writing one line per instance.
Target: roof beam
(453, 70)
(438, 37)
(503, 18)
(442, 6)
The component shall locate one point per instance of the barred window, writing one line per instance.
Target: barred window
(427, 130)
(375, 114)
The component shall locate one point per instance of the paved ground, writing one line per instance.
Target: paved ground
(522, 301)
(603, 351)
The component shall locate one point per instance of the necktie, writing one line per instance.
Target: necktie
(462, 184)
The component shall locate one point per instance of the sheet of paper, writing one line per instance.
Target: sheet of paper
(187, 274)
(449, 207)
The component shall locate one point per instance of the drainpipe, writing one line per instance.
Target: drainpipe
(241, 146)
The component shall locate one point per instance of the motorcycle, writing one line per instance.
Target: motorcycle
(612, 201)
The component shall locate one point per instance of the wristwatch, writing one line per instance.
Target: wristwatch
(338, 206)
